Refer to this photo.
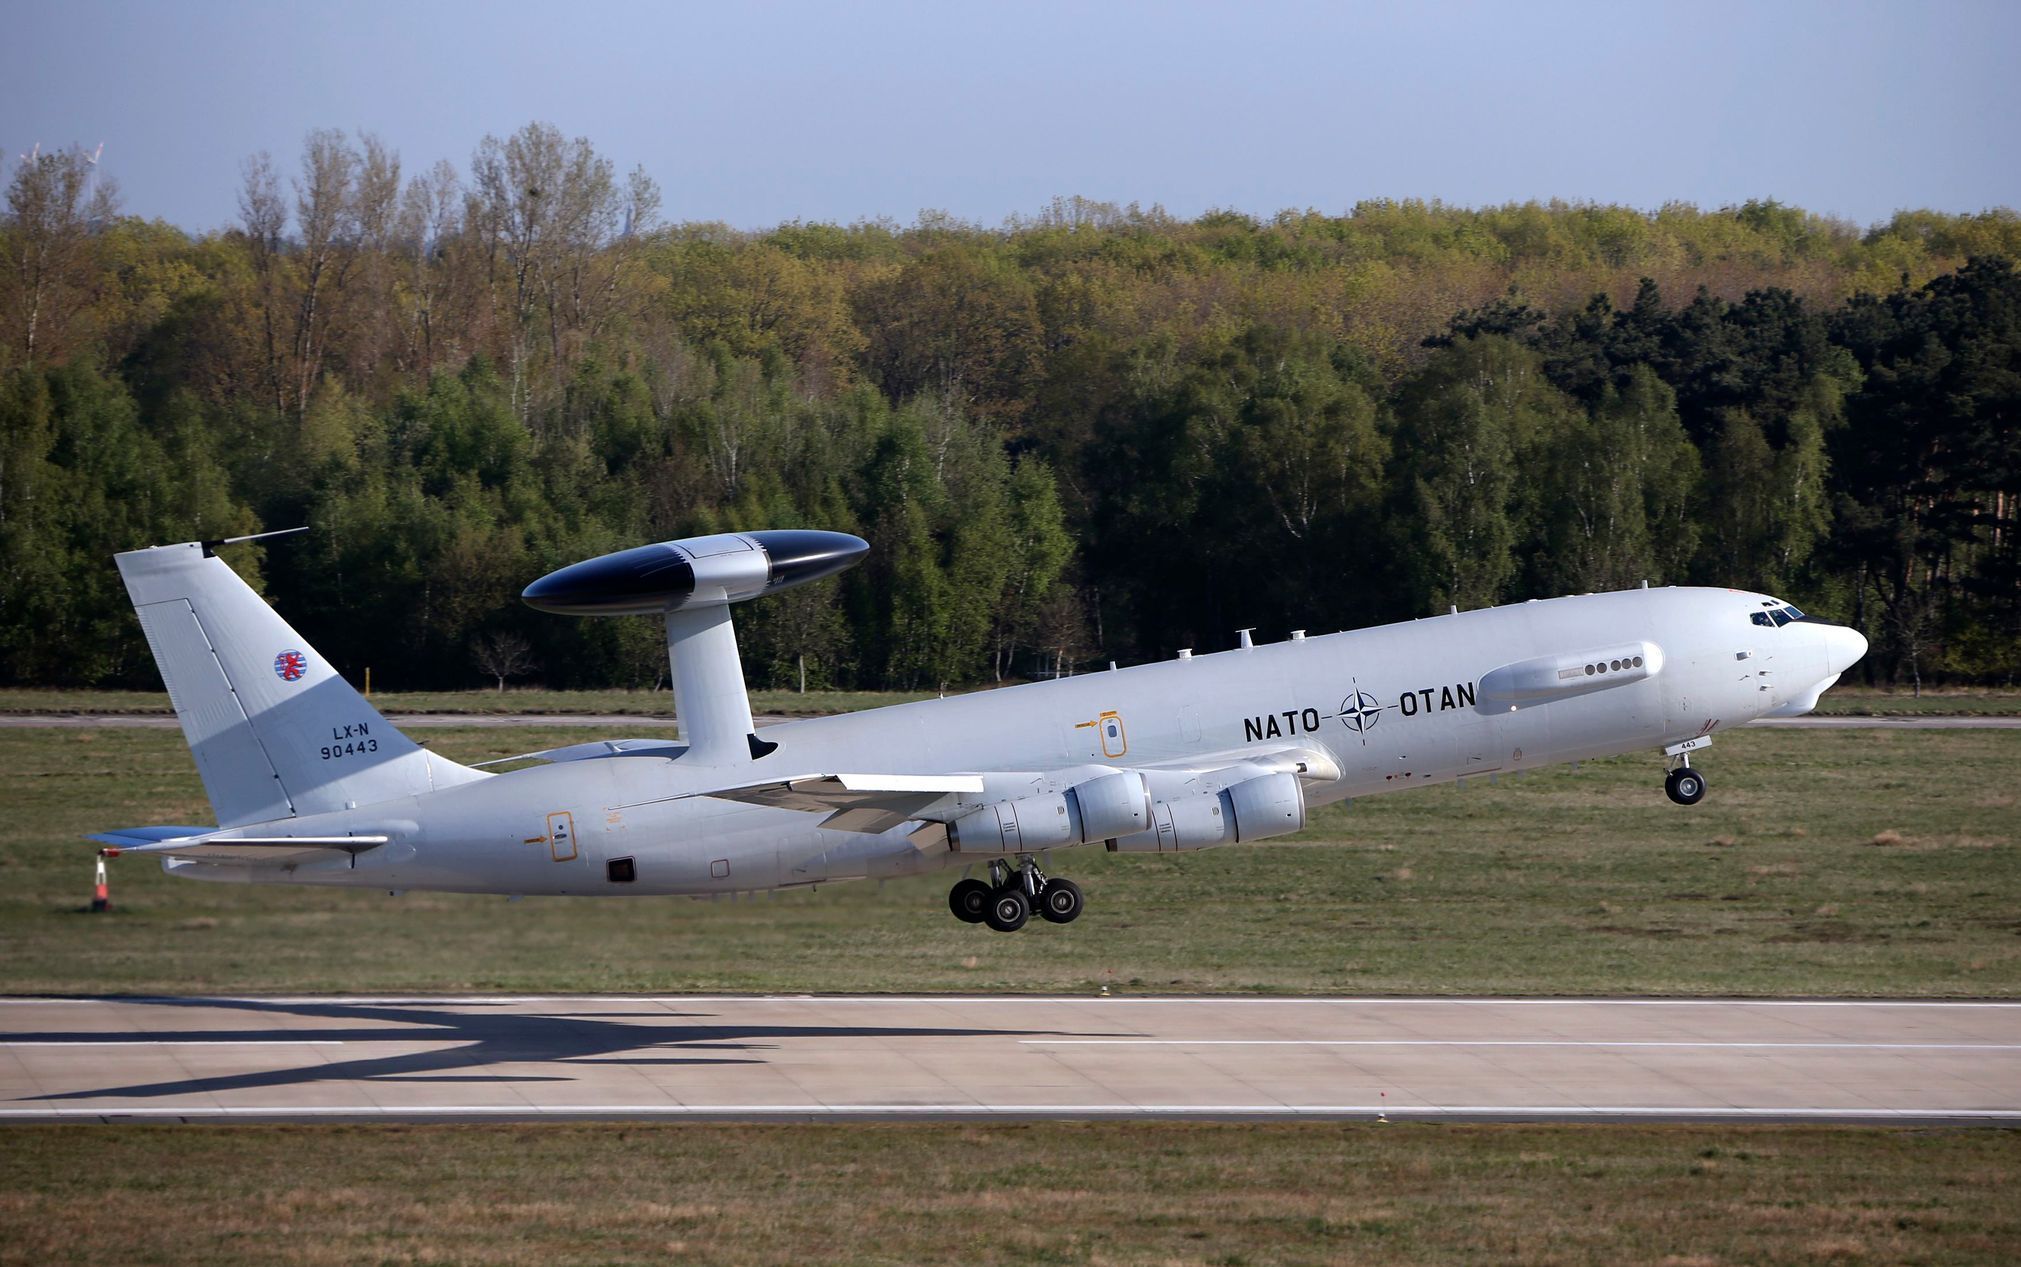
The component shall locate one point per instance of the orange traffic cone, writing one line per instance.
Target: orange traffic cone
(101, 893)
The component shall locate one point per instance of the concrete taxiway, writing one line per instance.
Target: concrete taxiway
(772, 1058)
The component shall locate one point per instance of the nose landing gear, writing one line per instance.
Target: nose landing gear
(1683, 784)
(1011, 896)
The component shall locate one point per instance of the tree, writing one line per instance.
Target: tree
(83, 477)
(1098, 429)
(1620, 483)
(503, 655)
(263, 219)
(327, 214)
(550, 212)
(1930, 467)
(1469, 426)
(54, 208)
(956, 325)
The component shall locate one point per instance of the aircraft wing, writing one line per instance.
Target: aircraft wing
(869, 803)
(257, 851)
(594, 749)
(1289, 758)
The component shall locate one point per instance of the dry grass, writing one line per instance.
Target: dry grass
(1867, 701)
(1045, 1193)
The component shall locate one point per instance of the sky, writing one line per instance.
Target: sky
(759, 113)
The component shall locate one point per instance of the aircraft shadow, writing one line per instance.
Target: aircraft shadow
(465, 1043)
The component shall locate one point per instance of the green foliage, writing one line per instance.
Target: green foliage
(1618, 490)
(81, 478)
(1097, 432)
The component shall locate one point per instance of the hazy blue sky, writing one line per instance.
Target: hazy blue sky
(760, 113)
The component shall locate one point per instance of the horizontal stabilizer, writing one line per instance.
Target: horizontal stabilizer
(135, 837)
(271, 851)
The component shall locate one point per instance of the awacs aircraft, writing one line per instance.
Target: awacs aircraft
(312, 786)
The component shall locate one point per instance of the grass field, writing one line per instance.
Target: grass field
(1853, 863)
(1043, 1193)
(1861, 701)
(1840, 701)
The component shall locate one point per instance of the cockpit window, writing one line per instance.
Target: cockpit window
(1776, 617)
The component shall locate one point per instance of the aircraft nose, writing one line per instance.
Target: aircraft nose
(1843, 647)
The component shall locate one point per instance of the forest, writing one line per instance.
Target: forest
(1091, 433)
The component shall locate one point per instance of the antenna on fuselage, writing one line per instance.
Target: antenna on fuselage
(690, 583)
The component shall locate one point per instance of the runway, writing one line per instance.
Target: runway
(996, 1057)
(619, 723)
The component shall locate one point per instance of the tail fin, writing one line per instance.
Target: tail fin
(276, 733)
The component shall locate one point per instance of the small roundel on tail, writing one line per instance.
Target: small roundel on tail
(290, 665)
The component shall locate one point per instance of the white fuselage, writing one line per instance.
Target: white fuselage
(1498, 690)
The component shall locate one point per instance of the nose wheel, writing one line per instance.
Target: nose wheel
(1684, 785)
(1012, 895)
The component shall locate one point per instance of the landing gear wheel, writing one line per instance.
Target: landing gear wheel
(1684, 785)
(1060, 901)
(969, 900)
(1008, 910)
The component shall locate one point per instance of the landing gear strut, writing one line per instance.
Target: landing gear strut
(1012, 895)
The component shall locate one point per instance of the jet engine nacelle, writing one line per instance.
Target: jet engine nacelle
(1254, 809)
(1100, 809)
(694, 572)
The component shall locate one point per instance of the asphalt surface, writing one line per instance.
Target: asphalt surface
(629, 721)
(995, 1057)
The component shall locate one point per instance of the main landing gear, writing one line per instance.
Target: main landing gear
(1011, 895)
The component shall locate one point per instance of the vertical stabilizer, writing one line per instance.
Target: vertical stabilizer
(276, 733)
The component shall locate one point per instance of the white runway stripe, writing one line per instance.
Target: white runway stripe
(1496, 1042)
(910, 1000)
(181, 1042)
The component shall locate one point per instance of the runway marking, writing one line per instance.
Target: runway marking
(1492, 1042)
(1083, 1042)
(182, 1042)
(902, 1000)
(1027, 1110)
(1087, 1042)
